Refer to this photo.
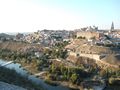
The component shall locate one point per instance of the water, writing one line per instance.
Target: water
(36, 80)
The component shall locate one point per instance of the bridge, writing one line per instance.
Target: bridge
(7, 63)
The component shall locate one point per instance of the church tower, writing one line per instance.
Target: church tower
(112, 26)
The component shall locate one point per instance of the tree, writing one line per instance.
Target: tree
(74, 78)
(52, 68)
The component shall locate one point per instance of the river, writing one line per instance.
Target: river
(22, 71)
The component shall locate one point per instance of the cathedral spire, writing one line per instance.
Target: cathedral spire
(112, 26)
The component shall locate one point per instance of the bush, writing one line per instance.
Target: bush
(74, 78)
(114, 81)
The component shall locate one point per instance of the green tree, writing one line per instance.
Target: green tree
(74, 78)
(52, 68)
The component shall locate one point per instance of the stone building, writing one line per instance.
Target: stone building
(89, 34)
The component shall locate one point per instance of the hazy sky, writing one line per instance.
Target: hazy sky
(33, 15)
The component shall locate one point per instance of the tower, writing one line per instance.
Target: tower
(112, 26)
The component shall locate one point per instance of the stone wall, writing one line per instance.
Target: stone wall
(89, 34)
(72, 53)
(92, 56)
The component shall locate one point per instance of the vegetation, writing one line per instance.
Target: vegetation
(72, 74)
(108, 73)
(114, 81)
(113, 84)
(23, 58)
(57, 51)
(81, 37)
(48, 81)
(58, 71)
(112, 78)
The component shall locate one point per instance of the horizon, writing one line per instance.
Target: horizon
(27, 32)
(33, 15)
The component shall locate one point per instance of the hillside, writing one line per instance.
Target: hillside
(112, 59)
(82, 51)
(19, 46)
(106, 63)
(6, 35)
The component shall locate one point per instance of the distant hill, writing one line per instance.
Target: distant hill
(4, 35)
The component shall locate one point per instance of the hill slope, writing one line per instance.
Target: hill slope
(19, 46)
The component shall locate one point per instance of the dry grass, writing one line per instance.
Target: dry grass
(17, 46)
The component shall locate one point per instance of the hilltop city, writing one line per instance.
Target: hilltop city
(82, 59)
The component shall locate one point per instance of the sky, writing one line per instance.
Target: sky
(33, 15)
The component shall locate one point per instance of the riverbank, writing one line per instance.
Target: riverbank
(43, 75)
(72, 86)
(37, 81)
(12, 75)
(32, 65)
(56, 84)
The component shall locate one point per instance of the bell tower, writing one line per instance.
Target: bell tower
(112, 26)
